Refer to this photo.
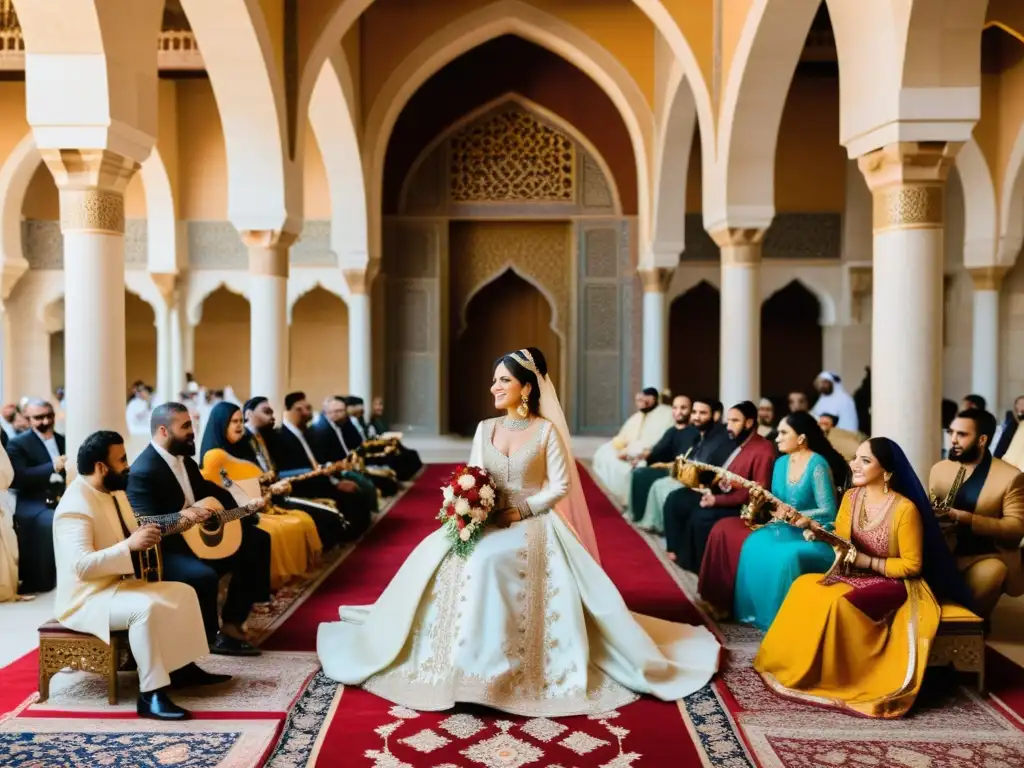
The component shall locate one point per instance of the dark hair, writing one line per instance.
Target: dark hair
(949, 411)
(652, 392)
(524, 375)
(804, 424)
(216, 435)
(163, 415)
(747, 408)
(833, 416)
(977, 401)
(252, 404)
(716, 406)
(292, 398)
(95, 449)
(708, 401)
(984, 422)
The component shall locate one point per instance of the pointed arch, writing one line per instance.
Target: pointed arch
(671, 171)
(826, 301)
(981, 215)
(1011, 206)
(297, 289)
(332, 119)
(264, 187)
(526, 278)
(528, 105)
(15, 176)
(199, 297)
(473, 29)
(161, 216)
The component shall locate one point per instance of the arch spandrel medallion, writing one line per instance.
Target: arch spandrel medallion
(511, 156)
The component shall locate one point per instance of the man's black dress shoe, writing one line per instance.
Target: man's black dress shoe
(192, 676)
(157, 705)
(225, 645)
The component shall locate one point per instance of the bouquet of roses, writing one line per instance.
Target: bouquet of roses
(468, 498)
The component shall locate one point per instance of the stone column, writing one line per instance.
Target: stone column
(165, 368)
(268, 313)
(360, 338)
(740, 340)
(907, 181)
(92, 184)
(655, 333)
(985, 346)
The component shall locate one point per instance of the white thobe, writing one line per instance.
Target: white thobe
(97, 591)
(640, 432)
(137, 415)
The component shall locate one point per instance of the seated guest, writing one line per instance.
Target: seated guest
(689, 516)
(290, 450)
(766, 419)
(974, 403)
(858, 640)
(387, 457)
(139, 409)
(37, 456)
(327, 439)
(614, 461)
(797, 401)
(712, 445)
(378, 469)
(97, 592)
(949, 412)
(844, 441)
(833, 398)
(1008, 429)
(749, 573)
(378, 426)
(165, 479)
(678, 440)
(8, 538)
(226, 457)
(985, 520)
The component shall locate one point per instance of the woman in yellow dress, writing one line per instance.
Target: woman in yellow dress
(859, 640)
(294, 543)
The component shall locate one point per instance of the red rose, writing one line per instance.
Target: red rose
(472, 496)
(461, 522)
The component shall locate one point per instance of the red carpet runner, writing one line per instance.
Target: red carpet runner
(355, 734)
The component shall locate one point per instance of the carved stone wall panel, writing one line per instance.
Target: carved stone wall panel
(601, 318)
(413, 353)
(216, 245)
(804, 236)
(539, 251)
(595, 192)
(413, 395)
(313, 248)
(600, 393)
(601, 252)
(136, 244)
(511, 155)
(412, 326)
(43, 244)
(411, 248)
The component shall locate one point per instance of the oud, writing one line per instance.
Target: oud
(215, 538)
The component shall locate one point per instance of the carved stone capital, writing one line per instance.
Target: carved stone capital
(268, 251)
(908, 181)
(656, 280)
(988, 278)
(727, 237)
(360, 281)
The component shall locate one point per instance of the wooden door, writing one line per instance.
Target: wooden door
(791, 345)
(693, 348)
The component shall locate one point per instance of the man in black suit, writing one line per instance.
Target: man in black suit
(165, 479)
(38, 458)
(357, 427)
(291, 450)
(328, 442)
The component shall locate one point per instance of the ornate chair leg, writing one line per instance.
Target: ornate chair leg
(44, 678)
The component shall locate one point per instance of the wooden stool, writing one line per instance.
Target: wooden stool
(960, 641)
(63, 648)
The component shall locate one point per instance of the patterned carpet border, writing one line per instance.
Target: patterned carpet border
(84, 743)
(306, 724)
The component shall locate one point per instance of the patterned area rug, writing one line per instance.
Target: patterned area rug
(37, 742)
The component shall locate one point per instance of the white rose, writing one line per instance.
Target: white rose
(465, 533)
(466, 482)
(486, 494)
(461, 507)
(479, 514)
(447, 493)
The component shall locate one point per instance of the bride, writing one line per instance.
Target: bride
(528, 623)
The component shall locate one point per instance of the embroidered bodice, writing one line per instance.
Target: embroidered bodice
(812, 494)
(533, 478)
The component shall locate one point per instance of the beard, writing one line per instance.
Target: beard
(965, 455)
(115, 481)
(182, 446)
(743, 435)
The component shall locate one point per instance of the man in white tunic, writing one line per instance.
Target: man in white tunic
(615, 460)
(94, 534)
(833, 398)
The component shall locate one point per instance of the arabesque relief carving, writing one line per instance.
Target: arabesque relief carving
(512, 156)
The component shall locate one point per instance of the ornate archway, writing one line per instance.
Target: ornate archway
(222, 342)
(693, 335)
(791, 350)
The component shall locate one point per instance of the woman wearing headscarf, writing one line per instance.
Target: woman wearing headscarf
(226, 458)
(858, 640)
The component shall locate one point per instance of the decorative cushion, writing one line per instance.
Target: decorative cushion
(953, 613)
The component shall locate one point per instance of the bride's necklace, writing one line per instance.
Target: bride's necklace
(515, 425)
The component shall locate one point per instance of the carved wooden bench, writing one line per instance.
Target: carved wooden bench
(63, 648)
(960, 641)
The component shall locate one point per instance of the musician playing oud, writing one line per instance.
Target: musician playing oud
(94, 536)
(165, 479)
(985, 516)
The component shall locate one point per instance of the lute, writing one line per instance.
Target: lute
(215, 538)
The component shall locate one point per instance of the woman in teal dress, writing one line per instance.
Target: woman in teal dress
(773, 557)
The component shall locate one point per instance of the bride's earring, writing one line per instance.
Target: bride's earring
(524, 409)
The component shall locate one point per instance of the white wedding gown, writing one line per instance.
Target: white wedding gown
(529, 623)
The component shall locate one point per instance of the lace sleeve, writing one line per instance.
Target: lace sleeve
(557, 485)
(824, 510)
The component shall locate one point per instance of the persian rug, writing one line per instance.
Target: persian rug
(332, 725)
(38, 742)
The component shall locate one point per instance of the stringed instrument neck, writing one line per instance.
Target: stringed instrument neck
(176, 522)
